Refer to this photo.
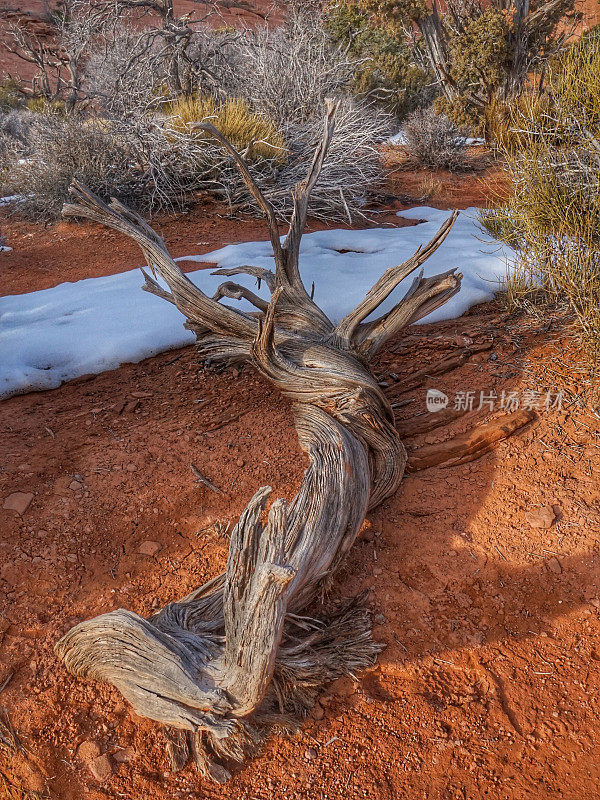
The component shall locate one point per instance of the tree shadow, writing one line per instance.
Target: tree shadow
(470, 583)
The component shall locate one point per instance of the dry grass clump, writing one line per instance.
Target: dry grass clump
(510, 125)
(553, 216)
(234, 119)
(433, 141)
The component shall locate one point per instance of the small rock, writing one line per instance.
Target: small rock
(18, 501)
(124, 755)
(74, 485)
(149, 548)
(317, 711)
(541, 517)
(72, 557)
(101, 768)
(310, 754)
(88, 750)
(343, 687)
(240, 462)
(131, 467)
(141, 394)
(554, 565)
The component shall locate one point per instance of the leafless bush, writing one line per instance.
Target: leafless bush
(15, 125)
(143, 161)
(123, 71)
(126, 71)
(124, 143)
(432, 140)
(286, 72)
(60, 148)
(58, 61)
(14, 136)
(352, 168)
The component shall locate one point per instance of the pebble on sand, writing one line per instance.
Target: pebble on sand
(18, 501)
(149, 548)
(541, 517)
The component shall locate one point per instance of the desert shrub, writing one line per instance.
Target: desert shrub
(10, 96)
(133, 138)
(286, 72)
(40, 105)
(504, 121)
(14, 135)
(478, 50)
(433, 141)
(383, 66)
(553, 216)
(58, 149)
(353, 167)
(234, 119)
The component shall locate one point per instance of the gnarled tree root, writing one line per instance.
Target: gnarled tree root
(234, 657)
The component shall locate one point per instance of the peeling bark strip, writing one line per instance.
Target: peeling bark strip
(471, 445)
(233, 658)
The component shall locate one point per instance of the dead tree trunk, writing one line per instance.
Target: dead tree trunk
(234, 657)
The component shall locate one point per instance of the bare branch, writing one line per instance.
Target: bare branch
(259, 273)
(424, 296)
(302, 192)
(345, 330)
(237, 292)
(252, 187)
(190, 300)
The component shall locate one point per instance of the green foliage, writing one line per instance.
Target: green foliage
(480, 52)
(384, 65)
(394, 14)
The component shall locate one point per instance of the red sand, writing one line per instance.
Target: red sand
(489, 682)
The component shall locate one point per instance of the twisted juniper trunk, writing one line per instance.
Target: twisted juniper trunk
(237, 655)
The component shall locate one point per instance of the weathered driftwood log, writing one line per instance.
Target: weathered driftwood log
(235, 655)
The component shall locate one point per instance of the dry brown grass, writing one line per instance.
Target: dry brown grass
(234, 119)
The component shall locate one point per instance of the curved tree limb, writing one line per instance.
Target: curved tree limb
(237, 292)
(259, 273)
